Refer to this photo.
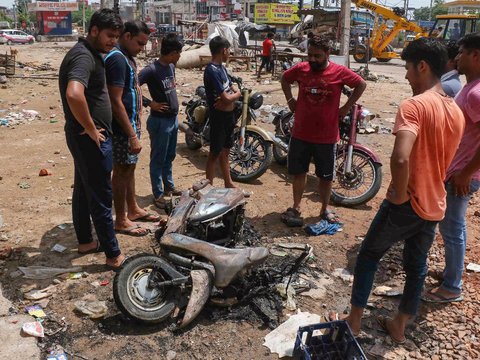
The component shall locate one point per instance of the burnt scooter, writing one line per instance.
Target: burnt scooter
(358, 170)
(251, 154)
(190, 258)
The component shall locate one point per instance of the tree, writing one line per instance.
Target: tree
(423, 13)
(77, 16)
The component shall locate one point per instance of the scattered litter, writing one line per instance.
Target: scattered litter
(44, 172)
(75, 275)
(6, 252)
(287, 294)
(53, 326)
(36, 311)
(57, 355)
(34, 329)
(93, 308)
(386, 291)
(1, 221)
(293, 246)
(43, 303)
(104, 282)
(323, 227)
(319, 288)
(15, 118)
(62, 226)
(344, 274)
(59, 248)
(171, 355)
(40, 294)
(45, 272)
(282, 339)
(24, 185)
(276, 252)
(473, 267)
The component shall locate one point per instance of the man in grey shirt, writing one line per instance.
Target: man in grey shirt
(450, 79)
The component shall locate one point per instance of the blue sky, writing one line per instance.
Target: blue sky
(413, 3)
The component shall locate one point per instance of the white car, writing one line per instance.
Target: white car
(12, 36)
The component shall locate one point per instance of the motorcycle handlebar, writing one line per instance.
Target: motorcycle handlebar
(346, 91)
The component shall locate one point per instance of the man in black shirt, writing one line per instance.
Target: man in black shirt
(162, 124)
(88, 131)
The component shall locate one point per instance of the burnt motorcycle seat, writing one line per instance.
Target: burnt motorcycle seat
(228, 263)
(214, 203)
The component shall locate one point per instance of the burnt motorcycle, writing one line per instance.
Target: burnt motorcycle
(251, 154)
(192, 255)
(358, 170)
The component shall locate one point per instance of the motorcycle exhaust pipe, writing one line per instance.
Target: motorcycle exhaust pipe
(279, 142)
(183, 127)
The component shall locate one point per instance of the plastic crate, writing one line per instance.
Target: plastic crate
(336, 343)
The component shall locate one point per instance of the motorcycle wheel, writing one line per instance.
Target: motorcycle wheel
(361, 185)
(192, 143)
(132, 295)
(255, 160)
(279, 155)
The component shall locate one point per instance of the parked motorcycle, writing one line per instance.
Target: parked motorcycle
(251, 154)
(190, 257)
(358, 170)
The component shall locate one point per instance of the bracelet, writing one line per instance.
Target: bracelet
(290, 100)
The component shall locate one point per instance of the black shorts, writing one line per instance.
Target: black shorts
(301, 152)
(222, 124)
(266, 60)
(121, 150)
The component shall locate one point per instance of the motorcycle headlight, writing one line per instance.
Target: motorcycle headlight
(200, 92)
(255, 101)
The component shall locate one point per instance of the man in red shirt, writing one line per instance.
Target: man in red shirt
(317, 113)
(267, 46)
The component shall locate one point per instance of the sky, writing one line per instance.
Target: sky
(391, 3)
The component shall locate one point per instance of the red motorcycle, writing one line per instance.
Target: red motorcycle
(358, 170)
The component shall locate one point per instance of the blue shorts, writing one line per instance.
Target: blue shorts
(121, 150)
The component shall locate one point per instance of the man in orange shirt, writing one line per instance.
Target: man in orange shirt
(428, 129)
(267, 62)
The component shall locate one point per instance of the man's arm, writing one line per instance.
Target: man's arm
(399, 166)
(287, 91)
(121, 116)
(143, 77)
(78, 105)
(357, 92)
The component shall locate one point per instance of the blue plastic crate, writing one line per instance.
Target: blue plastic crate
(336, 343)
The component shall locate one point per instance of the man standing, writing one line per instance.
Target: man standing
(267, 61)
(125, 96)
(427, 130)
(316, 128)
(451, 80)
(88, 131)
(162, 124)
(463, 175)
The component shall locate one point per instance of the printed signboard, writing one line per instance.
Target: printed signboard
(276, 13)
(52, 6)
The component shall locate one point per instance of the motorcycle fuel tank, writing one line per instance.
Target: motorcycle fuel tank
(216, 203)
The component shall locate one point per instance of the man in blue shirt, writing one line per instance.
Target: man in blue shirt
(125, 96)
(221, 97)
(162, 124)
(451, 79)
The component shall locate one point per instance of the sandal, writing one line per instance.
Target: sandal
(292, 218)
(436, 298)
(134, 230)
(95, 250)
(382, 322)
(161, 203)
(331, 217)
(117, 268)
(148, 217)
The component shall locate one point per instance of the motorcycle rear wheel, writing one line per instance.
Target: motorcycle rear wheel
(361, 185)
(134, 298)
(254, 162)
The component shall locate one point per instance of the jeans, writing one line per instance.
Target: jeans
(92, 191)
(163, 143)
(454, 232)
(394, 223)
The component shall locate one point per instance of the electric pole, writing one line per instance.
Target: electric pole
(345, 30)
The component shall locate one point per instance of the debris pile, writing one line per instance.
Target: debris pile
(15, 118)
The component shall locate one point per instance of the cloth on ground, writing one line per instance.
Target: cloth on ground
(322, 227)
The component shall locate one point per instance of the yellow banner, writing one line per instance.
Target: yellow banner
(276, 14)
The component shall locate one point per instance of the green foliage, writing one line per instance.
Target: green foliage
(423, 13)
(77, 16)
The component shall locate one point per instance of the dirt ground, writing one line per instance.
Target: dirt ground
(37, 215)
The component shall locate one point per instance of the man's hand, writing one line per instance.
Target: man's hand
(395, 197)
(460, 183)
(134, 145)
(95, 134)
(292, 104)
(160, 107)
(343, 111)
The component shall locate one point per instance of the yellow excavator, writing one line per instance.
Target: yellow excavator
(447, 27)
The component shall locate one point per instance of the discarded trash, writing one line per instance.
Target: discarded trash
(171, 355)
(473, 267)
(277, 252)
(33, 328)
(318, 290)
(24, 185)
(59, 248)
(44, 172)
(45, 272)
(288, 295)
(57, 356)
(1, 221)
(40, 294)
(104, 282)
(62, 226)
(75, 276)
(344, 274)
(93, 308)
(35, 311)
(322, 227)
(386, 291)
(6, 252)
(282, 339)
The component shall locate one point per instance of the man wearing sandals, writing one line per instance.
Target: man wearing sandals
(316, 128)
(126, 96)
(463, 175)
(427, 130)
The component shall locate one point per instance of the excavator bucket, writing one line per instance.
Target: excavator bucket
(201, 287)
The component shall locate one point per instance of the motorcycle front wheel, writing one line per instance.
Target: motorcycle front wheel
(134, 298)
(253, 161)
(361, 184)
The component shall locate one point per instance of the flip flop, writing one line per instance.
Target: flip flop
(382, 322)
(117, 268)
(440, 299)
(148, 217)
(292, 218)
(131, 231)
(331, 219)
(97, 249)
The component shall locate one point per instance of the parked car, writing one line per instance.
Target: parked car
(12, 36)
